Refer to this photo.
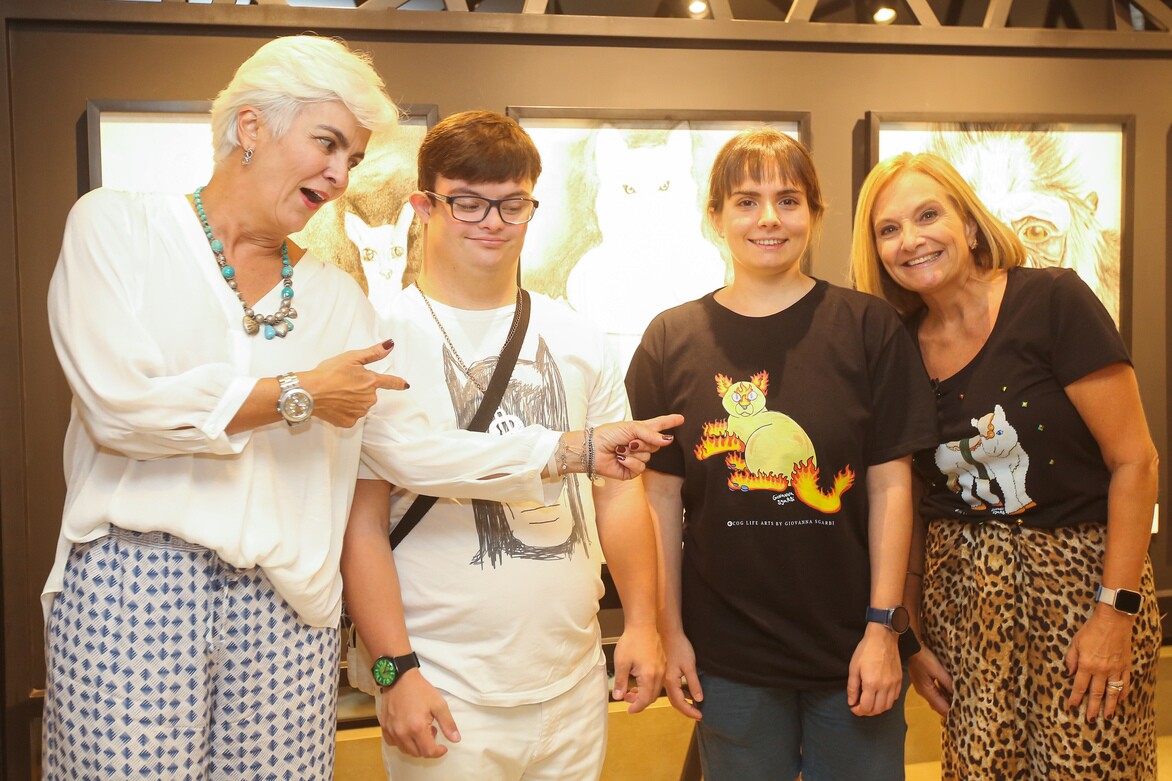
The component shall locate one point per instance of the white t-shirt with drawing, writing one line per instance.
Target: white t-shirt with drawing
(501, 600)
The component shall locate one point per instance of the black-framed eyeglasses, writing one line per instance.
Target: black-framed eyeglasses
(473, 208)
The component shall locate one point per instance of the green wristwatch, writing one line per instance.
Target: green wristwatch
(387, 669)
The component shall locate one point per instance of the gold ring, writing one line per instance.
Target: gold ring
(1115, 686)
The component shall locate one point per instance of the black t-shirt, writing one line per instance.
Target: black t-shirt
(1013, 444)
(776, 570)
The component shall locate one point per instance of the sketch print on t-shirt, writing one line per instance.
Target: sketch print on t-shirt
(767, 450)
(534, 395)
(994, 455)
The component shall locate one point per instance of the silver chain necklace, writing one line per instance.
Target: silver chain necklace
(460, 361)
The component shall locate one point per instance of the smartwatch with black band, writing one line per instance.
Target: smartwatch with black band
(387, 670)
(1123, 600)
(895, 618)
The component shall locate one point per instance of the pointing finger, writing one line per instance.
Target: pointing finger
(390, 382)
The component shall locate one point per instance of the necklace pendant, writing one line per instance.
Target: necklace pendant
(274, 325)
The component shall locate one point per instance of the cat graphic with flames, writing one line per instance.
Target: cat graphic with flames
(767, 450)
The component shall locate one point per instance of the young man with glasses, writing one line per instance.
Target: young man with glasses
(483, 623)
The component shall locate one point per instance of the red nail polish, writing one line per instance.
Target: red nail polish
(389, 344)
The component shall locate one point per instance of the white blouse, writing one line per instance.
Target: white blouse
(149, 336)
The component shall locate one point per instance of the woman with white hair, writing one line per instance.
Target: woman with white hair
(213, 447)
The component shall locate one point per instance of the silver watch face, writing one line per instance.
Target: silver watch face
(296, 405)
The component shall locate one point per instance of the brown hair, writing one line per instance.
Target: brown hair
(997, 247)
(758, 154)
(478, 146)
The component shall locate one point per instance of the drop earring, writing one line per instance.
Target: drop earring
(247, 156)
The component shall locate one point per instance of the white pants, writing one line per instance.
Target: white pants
(563, 739)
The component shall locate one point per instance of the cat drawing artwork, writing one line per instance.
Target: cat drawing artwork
(368, 231)
(993, 456)
(767, 450)
(965, 474)
(535, 395)
(382, 250)
(652, 254)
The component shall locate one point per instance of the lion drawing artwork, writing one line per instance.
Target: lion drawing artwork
(1030, 181)
(767, 450)
(994, 456)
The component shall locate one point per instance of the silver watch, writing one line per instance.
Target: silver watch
(295, 404)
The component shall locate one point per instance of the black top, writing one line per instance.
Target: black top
(784, 414)
(1013, 443)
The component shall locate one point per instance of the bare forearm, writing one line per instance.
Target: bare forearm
(913, 588)
(371, 581)
(1130, 503)
(666, 505)
(889, 529)
(628, 542)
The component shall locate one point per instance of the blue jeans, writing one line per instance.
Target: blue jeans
(775, 734)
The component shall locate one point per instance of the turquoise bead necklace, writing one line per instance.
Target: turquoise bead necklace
(279, 323)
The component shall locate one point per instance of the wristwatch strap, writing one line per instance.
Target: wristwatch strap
(387, 670)
(1122, 599)
(895, 618)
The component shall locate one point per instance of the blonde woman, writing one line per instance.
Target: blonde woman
(1037, 613)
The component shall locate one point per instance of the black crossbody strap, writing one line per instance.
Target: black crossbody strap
(484, 413)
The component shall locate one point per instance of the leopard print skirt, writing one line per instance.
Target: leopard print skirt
(1001, 605)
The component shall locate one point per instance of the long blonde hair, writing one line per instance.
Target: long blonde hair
(997, 247)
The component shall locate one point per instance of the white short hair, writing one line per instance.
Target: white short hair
(286, 74)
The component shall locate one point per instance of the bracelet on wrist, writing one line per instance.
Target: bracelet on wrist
(566, 455)
(591, 475)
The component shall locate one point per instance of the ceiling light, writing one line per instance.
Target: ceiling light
(698, 8)
(884, 15)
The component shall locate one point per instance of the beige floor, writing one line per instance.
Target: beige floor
(652, 745)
